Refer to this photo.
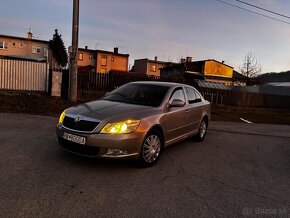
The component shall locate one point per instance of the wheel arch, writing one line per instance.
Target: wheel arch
(206, 119)
(158, 128)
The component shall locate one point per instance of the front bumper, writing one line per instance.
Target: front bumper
(97, 144)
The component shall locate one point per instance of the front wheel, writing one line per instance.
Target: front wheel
(151, 149)
(201, 131)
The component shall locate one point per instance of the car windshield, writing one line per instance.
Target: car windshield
(140, 94)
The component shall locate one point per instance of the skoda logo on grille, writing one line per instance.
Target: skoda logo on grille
(77, 119)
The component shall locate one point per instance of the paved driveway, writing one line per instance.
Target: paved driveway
(239, 170)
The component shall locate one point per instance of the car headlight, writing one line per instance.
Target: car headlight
(61, 117)
(127, 126)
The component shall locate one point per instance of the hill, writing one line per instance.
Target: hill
(275, 77)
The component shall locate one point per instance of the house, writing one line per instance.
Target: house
(210, 70)
(21, 47)
(239, 79)
(149, 67)
(102, 61)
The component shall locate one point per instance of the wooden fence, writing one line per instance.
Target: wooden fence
(93, 85)
(245, 99)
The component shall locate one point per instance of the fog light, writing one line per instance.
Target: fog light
(116, 151)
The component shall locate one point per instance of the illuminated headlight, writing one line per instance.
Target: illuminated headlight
(116, 151)
(61, 117)
(127, 126)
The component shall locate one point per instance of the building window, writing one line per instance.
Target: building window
(112, 59)
(35, 50)
(45, 52)
(153, 68)
(104, 61)
(20, 45)
(3, 45)
(92, 56)
(103, 70)
(81, 56)
(13, 44)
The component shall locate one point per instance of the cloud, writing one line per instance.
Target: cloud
(169, 29)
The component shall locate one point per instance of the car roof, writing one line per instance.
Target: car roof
(168, 84)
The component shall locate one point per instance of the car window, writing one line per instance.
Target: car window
(177, 94)
(191, 95)
(198, 95)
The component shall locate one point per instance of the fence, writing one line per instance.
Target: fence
(65, 84)
(245, 99)
(93, 85)
(23, 75)
(99, 82)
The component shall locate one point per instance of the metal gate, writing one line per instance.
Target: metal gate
(23, 75)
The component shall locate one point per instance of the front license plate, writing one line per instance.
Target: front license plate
(74, 138)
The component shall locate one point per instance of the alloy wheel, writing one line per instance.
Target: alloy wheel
(151, 148)
(202, 129)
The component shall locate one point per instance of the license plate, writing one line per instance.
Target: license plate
(74, 138)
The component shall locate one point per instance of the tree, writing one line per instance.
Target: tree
(250, 68)
(58, 49)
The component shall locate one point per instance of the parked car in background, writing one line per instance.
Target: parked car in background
(137, 120)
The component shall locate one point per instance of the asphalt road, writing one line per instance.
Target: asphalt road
(239, 170)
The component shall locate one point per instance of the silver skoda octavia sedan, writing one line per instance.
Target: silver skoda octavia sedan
(135, 121)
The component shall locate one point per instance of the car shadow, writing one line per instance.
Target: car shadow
(73, 159)
(186, 146)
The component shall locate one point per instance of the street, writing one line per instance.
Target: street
(240, 170)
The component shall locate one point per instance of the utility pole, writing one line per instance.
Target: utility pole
(73, 93)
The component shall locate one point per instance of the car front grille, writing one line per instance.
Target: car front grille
(78, 148)
(80, 125)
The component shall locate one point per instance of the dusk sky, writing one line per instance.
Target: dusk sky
(169, 29)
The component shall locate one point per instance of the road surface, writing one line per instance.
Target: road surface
(239, 170)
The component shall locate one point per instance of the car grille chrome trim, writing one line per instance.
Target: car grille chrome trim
(80, 125)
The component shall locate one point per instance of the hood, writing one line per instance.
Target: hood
(103, 109)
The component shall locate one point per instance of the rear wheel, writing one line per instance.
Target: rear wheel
(201, 131)
(151, 149)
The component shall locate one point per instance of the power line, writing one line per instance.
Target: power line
(254, 12)
(255, 6)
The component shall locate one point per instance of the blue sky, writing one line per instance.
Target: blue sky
(169, 29)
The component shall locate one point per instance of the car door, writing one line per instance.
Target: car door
(176, 117)
(195, 108)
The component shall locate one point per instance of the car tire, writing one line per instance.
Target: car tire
(151, 149)
(201, 131)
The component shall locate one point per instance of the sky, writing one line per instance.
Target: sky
(168, 29)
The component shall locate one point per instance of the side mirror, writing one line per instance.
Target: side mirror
(176, 103)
